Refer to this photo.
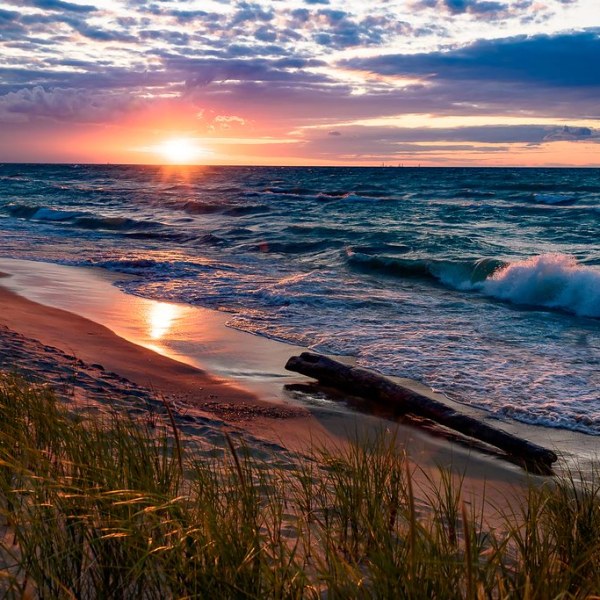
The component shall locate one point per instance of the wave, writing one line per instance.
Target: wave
(114, 223)
(131, 266)
(246, 209)
(468, 193)
(551, 280)
(324, 196)
(551, 187)
(555, 199)
(41, 213)
(374, 249)
(292, 191)
(80, 219)
(554, 281)
(457, 274)
(13, 178)
(194, 207)
(293, 247)
(197, 207)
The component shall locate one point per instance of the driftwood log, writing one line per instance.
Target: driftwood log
(383, 390)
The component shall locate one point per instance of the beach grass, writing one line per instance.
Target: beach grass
(118, 507)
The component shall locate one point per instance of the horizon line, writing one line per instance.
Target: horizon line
(292, 166)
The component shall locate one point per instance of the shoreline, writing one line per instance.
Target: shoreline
(254, 402)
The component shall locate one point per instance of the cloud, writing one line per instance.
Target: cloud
(59, 5)
(7, 16)
(563, 60)
(476, 7)
(183, 16)
(10, 28)
(103, 77)
(247, 11)
(49, 24)
(199, 72)
(570, 134)
(482, 134)
(226, 122)
(103, 35)
(493, 11)
(339, 29)
(60, 104)
(363, 141)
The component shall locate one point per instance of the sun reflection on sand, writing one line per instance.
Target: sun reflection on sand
(161, 317)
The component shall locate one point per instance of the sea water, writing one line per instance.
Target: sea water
(482, 283)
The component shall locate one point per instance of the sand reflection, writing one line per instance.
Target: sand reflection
(161, 319)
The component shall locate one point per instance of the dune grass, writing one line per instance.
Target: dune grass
(120, 508)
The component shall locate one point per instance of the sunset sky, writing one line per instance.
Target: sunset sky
(430, 82)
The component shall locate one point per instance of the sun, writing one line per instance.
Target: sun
(180, 151)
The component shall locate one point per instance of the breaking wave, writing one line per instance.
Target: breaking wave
(457, 274)
(81, 219)
(550, 280)
(553, 281)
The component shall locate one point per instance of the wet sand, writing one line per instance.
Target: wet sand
(71, 324)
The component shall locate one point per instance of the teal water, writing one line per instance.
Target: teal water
(482, 283)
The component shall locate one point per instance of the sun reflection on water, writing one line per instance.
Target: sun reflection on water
(160, 319)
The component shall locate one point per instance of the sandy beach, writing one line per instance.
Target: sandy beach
(96, 367)
(91, 363)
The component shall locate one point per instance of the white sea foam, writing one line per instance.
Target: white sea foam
(551, 280)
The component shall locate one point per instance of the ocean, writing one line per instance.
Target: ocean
(482, 283)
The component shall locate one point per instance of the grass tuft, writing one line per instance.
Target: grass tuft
(120, 508)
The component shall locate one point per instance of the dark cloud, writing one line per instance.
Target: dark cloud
(200, 72)
(103, 78)
(363, 141)
(176, 38)
(492, 11)
(300, 16)
(185, 16)
(570, 134)
(560, 60)
(475, 7)
(252, 12)
(10, 28)
(329, 101)
(75, 105)
(104, 35)
(59, 5)
(6, 16)
(265, 34)
(339, 29)
(297, 62)
(50, 24)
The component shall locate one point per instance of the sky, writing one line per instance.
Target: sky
(301, 82)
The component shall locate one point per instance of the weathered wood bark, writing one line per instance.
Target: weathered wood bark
(378, 388)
